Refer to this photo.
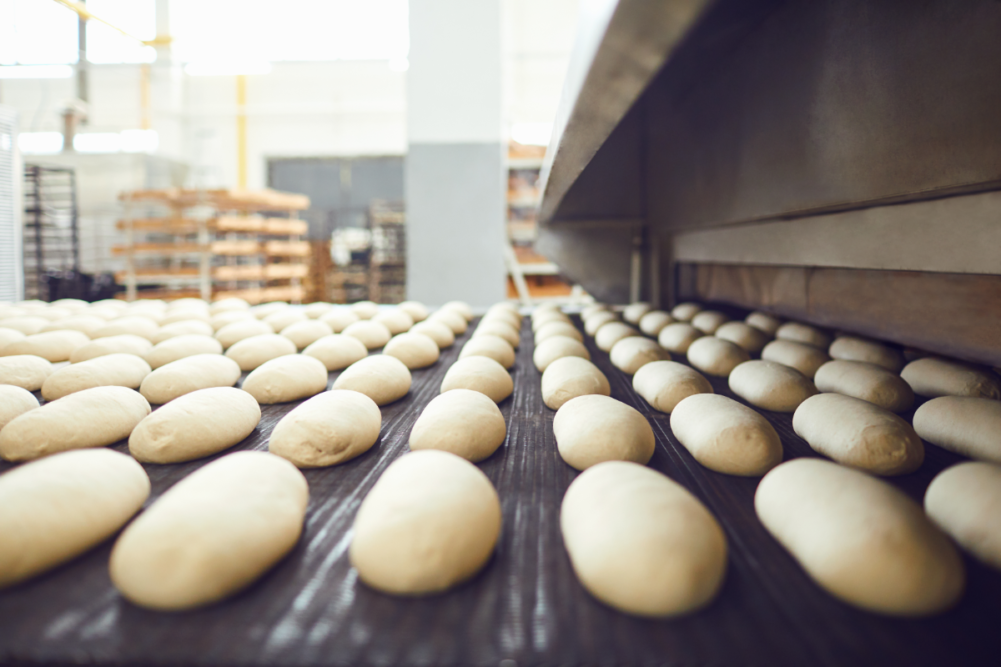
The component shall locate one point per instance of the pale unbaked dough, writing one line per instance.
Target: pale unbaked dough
(304, 334)
(251, 352)
(262, 310)
(328, 429)
(932, 377)
(962, 424)
(285, 318)
(317, 309)
(339, 319)
(866, 381)
(199, 371)
(285, 379)
(634, 312)
(598, 320)
(229, 304)
(860, 539)
(27, 325)
(373, 334)
(137, 325)
(594, 308)
(859, 434)
(678, 337)
(571, 377)
(744, 335)
(481, 374)
(610, 334)
(491, 346)
(764, 322)
(181, 347)
(90, 418)
(654, 321)
(111, 370)
(182, 328)
(715, 356)
(337, 351)
(852, 348)
(382, 378)
(436, 331)
(463, 422)
(725, 436)
(179, 315)
(25, 371)
(555, 348)
(429, 523)
(804, 358)
(460, 307)
(417, 311)
(803, 333)
(237, 331)
(770, 385)
(593, 429)
(9, 336)
(228, 317)
(55, 346)
(87, 324)
(212, 534)
(708, 321)
(640, 542)
(124, 344)
(631, 354)
(663, 384)
(499, 328)
(14, 402)
(414, 349)
(195, 425)
(57, 508)
(551, 329)
(965, 502)
(394, 319)
(548, 317)
(365, 310)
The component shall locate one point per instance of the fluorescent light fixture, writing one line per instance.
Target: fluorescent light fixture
(399, 64)
(40, 143)
(98, 142)
(36, 72)
(140, 141)
(532, 134)
(226, 68)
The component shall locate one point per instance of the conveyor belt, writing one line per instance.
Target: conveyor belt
(526, 606)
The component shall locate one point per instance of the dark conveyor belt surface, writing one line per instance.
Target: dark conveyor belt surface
(526, 606)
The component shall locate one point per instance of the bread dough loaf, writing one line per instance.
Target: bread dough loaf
(27, 325)
(430, 522)
(382, 378)
(124, 344)
(212, 534)
(450, 318)
(337, 351)
(87, 324)
(594, 308)
(365, 310)
(285, 379)
(611, 333)
(182, 328)
(498, 328)
(394, 319)
(663, 384)
(932, 377)
(491, 346)
(339, 319)
(415, 350)
(571, 377)
(860, 539)
(634, 312)
(631, 354)
(744, 335)
(480, 374)
(460, 307)
(764, 322)
(9, 336)
(640, 542)
(262, 310)
(285, 318)
(181, 347)
(304, 334)
(373, 334)
(195, 425)
(961, 424)
(555, 348)
(654, 321)
(708, 321)
(237, 331)
(57, 508)
(417, 311)
(25, 371)
(54, 346)
(859, 434)
(90, 418)
(853, 348)
(771, 386)
(111, 370)
(725, 436)
(803, 333)
(317, 309)
(199, 371)
(436, 331)
(546, 317)
(328, 429)
(593, 429)
(137, 325)
(598, 320)
(678, 337)
(228, 317)
(551, 329)
(866, 381)
(715, 356)
(14, 402)
(965, 502)
(804, 358)
(462, 422)
(251, 352)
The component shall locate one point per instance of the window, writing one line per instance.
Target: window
(105, 45)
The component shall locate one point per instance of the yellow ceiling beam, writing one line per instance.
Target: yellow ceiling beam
(87, 15)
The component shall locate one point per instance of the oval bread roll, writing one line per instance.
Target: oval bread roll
(199, 371)
(304, 334)
(751, 339)
(860, 539)
(211, 534)
(771, 386)
(631, 354)
(251, 352)
(365, 310)
(594, 308)
(339, 319)
(663, 384)
(504, 316)
(932, 377)
(965, 502)
(725, 436)
(263, 310)
(55, 346)
(373, 334)
(90, 418)
(678, 337)
(450, 318)
(237, 331)
(415, 350)
(684, 312)
(480, 374)
(859, 434)
(220, 320)
(654, 321)
(124, 344)
(195, 425)
(634, 312)
(430, 522)
(285, 318)
(804, 358)
(9, 336)
(803, 333)
(285, 379)
(229, 304)
(764, 322)
(417, 311)
(491, 346)
(382, 378)
(25, 371)
(87, 324)
(27, 325)
(542, 318)
(57, 508)
(852, 348)
(611, 333)
(865, 381)
(640, 542)
(337, 351)
(708, 321)
(499, 329)
(460, 307)
(967, 426)
(594, 428)
(462, 422)
(598, 320)
(182, 328)
(111, 370)
(328, 429)
(14, 402)
(558, 347)
(558, 329)
(571, 377)
(394, 319)
(181, 347)
(137, 325)
(715, 356)
(436, 331)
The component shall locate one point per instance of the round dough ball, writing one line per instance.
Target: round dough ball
(764, 322)
(339, 319)
(195, 425)
(285, 318)
(631, 354)
(725, 436)
(598, 320)
(112, 370)
(14, 402)
(394, 319)
(55, 346)
(328, 429)
(593, 429)
(337, 351)
(804, 358)
(558, 347)
(962, 424)
(771, 386)
(932, 377)
(678, 337)
(744, 335)
(663, 384)
(137, 325)
(373, 334)
(365, 310)
(490, 346)
(460, 307)
(462, 422)
(381, 377)
(851, 348)
(413, 349)
(430, 522)
(9, 336)
(708, 321)
(594, 308)
(551, 329)
(684, 312)
(965, 502)
(548, 317)
(500, 329)
(199, 371)
(304, 334)
(251, 352)
(436, 331)
(865, 381)
(481, 374)
(654, 321)
(237, 331)
(25, 371)
(417, 311)
(634, 312)
(612, 333)
(803, 333)
(569, 378)
(318, 309)
(181, 347)
(504, 316)
(285, 379)
(124, 344)
(450, 318)
(715, 356)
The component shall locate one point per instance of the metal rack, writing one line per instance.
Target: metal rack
(51, 232)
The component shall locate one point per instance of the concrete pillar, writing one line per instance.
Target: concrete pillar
(455, 180)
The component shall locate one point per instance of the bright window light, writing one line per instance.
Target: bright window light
(98, 142)
(140, 141)
(105, 45)
(226, 68)
(532, 134)
(40, 143)
(37, 33)
(399, 64)
(35, 71)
